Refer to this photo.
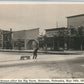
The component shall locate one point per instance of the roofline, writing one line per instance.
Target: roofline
(55, 28)
(75, 16)
(26, 30)
(4, 30)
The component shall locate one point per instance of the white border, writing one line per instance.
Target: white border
(75, 81)
(56, 80)
(38, 2)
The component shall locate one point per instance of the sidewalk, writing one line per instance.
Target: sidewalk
(45, 52)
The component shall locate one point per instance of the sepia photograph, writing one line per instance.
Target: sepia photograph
(41, 40)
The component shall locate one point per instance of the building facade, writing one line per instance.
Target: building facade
(76, 25)
(75, 21)
(56, 38)
(5, 39)
(25, 39)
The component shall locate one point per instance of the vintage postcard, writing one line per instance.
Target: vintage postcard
(42, 40)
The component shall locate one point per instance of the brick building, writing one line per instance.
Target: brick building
(71, 37)
(25, 39)
(76, 25)
(75, 21)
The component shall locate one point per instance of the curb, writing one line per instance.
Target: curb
(45, 52)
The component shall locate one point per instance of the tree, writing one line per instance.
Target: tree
(43, 41)
(80, 35)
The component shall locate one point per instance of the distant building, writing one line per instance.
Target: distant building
(76, 24)
(25, 39)
(75, 21)
(56, 32)
(56, 38)
(5, 39)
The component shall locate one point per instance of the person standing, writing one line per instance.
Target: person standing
(35, 53)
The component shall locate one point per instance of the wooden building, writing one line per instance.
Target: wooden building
(56, 38)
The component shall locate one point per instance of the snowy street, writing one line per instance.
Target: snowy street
(46, 66)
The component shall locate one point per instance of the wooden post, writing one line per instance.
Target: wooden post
(2, 40)
(53, 44)
(25, 44)
(58, 45)
(65, 46)
(81, 46)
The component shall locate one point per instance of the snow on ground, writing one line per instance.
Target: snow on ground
(46, 66)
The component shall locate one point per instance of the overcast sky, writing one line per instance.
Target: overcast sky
(43, 16)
